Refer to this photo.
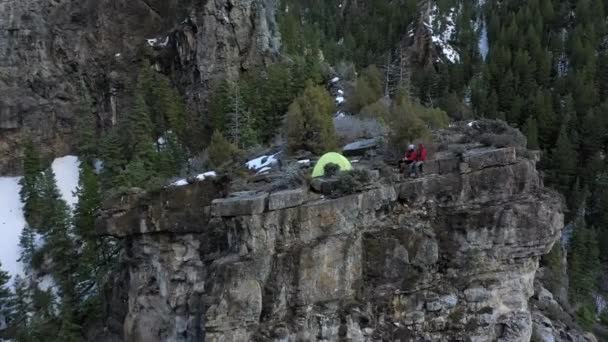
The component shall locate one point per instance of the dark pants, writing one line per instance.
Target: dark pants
(403, 165)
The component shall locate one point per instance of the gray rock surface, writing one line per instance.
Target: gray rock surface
(446, 257)
(53, 54)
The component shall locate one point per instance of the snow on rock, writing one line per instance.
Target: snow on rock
(199, 177)
(264, 170)
(340, 99)
(203, 176)
(335, 79)
(66, 171)
(155, 42)
(12, 222)
(305, 162)
(262, 162)
(181, 182)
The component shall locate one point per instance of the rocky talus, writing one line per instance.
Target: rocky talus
(451, 256)
(63, 58)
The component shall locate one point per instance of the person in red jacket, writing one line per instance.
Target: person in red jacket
(421, 155)
(410, 158)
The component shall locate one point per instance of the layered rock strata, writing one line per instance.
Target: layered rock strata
(450, 256)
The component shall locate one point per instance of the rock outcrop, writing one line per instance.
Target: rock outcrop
(450, 256)
(62, 58)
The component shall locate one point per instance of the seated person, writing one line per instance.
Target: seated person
(409, 158)
(416, 167)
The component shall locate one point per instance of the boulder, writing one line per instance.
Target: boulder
(359, 148)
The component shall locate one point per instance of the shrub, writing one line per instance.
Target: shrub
(309, 121)
(220, 150)
(350, 182)
(410, 121)
(368, 89)
(378, 110)
(331, 169)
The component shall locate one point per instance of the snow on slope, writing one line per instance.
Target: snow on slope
(484, 47)
(66, 173)
(11, 224)
(442, 32)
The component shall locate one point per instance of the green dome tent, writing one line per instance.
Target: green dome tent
(331, 157)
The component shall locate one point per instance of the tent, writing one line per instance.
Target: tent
(331, 157)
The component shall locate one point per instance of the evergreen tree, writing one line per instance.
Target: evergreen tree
(58, 242)
(6, 298)
(30, 192)
(564, 161)
(114, 160)
(27, 245)
(21, 309)
(86, 137)
(531, 130)
(583, 263)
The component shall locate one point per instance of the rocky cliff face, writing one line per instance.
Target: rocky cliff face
(451, 256)
(55, 53)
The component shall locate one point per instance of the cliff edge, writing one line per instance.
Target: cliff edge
(451, 256)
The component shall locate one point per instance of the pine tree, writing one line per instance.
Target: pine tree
(138, 130)
(86, 137)
(30, 192)
(531, 130)
(6, 298)
(114, 160)
(58, 242)
(583, 263)
(22, 308)
(564, 161)
(27, 245)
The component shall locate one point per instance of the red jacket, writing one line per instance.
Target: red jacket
(421, 153)
(411, 155)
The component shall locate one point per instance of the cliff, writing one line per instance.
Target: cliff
(64, 58)
(451, 256)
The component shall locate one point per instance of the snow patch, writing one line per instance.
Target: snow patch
(340, 99)
(340, 92)
(66, 171)
(98, 165)
(304, 162)
(262, 162)
(155, 42)
(264, 170)
(484, 46)
(199, 177)
(442, 32)
(181, 182)
(117, 55)
(12, 222)
(335, 79)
